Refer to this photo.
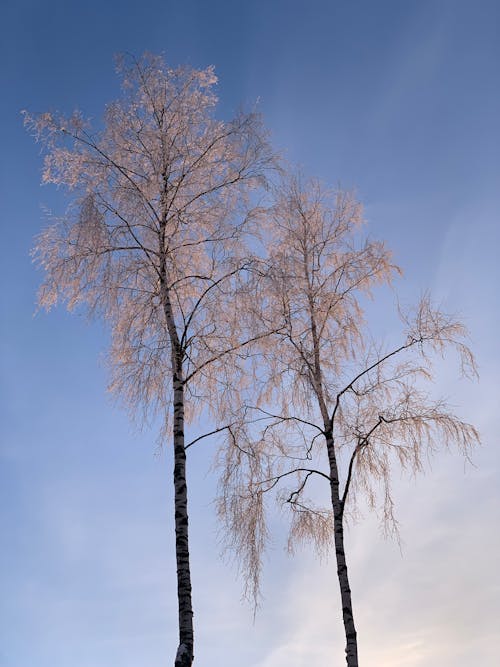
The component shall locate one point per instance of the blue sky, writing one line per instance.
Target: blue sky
(400, 100)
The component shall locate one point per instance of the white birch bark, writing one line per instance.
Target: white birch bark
(184, 656)
(185, 651)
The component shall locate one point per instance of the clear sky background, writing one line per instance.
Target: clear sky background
(400, 99)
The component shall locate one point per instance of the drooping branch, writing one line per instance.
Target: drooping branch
(228, 351)
(277, 478)
(206, 435)
(283, 418)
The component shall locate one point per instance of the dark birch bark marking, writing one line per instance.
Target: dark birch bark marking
(342, 574)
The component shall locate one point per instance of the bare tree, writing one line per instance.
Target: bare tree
(154, 242)
(333, 405)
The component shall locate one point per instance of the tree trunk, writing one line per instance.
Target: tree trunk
(185, 651)
(345, 590)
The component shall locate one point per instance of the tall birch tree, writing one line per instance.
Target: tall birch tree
(154, 243)
(334, 406)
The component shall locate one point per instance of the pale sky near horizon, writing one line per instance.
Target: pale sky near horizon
(398, 99)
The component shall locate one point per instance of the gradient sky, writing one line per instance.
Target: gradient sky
(400, 99)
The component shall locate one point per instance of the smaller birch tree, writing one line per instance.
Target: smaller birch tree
(333, 405)
(154, 243)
